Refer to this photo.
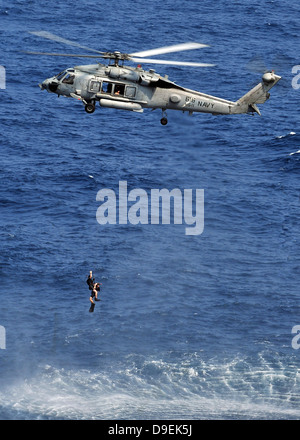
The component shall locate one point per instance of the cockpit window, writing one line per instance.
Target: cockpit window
(60, 75)
(69, 79)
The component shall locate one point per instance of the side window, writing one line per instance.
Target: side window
(119, 89)
(106, 87)
(130, 92)
(94, 86)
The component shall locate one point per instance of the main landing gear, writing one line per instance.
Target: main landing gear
(90, 107)
(164, 119)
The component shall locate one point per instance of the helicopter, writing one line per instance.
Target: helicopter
(119, 86)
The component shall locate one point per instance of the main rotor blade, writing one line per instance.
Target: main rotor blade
(62, 55)
(168, 49)
(174, 63)
(49, 36)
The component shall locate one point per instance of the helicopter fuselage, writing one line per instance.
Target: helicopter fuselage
(133, 89)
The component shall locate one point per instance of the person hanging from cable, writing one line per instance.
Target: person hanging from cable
(93, 287)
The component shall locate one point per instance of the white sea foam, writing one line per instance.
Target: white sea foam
(291, 133)
(295, 152)
(156, 389)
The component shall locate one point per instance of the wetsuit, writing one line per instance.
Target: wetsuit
(90, 282)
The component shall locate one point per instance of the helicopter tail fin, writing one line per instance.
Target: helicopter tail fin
(258, 95)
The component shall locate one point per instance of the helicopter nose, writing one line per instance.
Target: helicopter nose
(45, 85)
(53, 86)
(49, 85)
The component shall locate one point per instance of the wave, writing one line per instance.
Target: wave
(291, 133)
(295, 152)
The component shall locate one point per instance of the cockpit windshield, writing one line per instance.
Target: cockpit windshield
(66, 76)
(60, 75)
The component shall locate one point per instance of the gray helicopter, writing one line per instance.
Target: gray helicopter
(117, 86)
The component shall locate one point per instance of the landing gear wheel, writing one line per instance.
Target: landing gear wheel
(164, 121)
(89, 108)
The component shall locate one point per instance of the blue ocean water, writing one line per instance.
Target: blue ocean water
(189, 327)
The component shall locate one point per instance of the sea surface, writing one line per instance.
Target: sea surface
(189, 326)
